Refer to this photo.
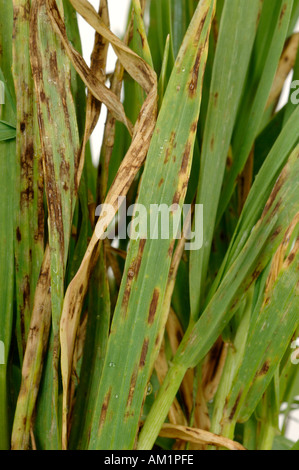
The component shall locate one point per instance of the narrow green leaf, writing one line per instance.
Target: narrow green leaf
(7, 131)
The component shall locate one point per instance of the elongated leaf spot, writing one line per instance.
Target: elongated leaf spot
(255, 274)
(125, 301)
(185, 160)
(216, 353)
(104, 408)
(235, 303)
(33, 331)
(234, 408)
(275, 233)
(212, 143)
(172, 137)
(26, 290)
(153, 307)
(132, 274)
(166, 159)
(264, 369)
(267, 301)
(27, 194)
(157, 340)
(137, 263)
(143, 353)
(161, 182)
(22, 126)
(193, 127)
(276, 208)
(132, 388)
(141, 37)
(290, 258)
(200, 28)
(64, 168)
(279, 184)
(194, 79)
(284, 8)
(18, 234)
(176, 197)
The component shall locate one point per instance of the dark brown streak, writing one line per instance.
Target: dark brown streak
(104, 409)
(234, 408)
(143, 353)
(153, 307)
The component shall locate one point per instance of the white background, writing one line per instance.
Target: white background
(118, 11)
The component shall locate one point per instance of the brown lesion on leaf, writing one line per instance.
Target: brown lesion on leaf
(264, 369)
(167, 154)
(275, 234)
(105, 408)
(18, 234)
(53, 66)
(279, 184)
(27, 157)
(143, 353)
(141, 38)
(157, 340)
(185, 160)
(212, 143)
(172, 138)
(161, 182)
(290, 258)
(193, 127)
(153, 306)
(234, 408)
(54, 203)
(277, 206)
(194, 75)
(176, 197)
(132, 388)
(254, 276)
(194, 80)
(282, 13)
(138, 260)
(132, 274)
(171, 146)
(235, 303)
(200, 27)
(64, 172)
(127, 293)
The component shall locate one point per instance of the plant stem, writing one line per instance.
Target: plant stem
(161, 407)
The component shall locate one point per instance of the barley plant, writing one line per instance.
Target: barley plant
(112, 336)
